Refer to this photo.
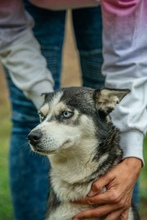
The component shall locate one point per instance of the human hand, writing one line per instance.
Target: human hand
(116, 201)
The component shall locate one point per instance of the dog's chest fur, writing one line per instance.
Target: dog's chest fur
(73, 184)
(79, 173)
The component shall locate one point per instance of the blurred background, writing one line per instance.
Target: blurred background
(70, 77)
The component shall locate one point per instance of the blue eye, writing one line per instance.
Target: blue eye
(67, 114)
(42, 117)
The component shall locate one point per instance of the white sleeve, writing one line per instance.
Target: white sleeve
(27, 67)
(125, 66)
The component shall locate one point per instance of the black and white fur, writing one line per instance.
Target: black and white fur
(82, 144)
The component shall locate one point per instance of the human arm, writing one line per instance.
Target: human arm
(125, 46)
(27, 67)
(20, 52)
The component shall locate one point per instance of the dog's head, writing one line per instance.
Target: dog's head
(74, 116)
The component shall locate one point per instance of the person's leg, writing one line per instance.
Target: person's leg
(87, 25)
(49, 31)
(136, 194)
(29, 171)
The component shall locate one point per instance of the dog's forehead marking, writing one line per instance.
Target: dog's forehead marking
(54, 104)
(56, 98)
(48, 106)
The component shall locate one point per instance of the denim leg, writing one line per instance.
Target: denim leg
(28, 170)
(49, 31)
(136, 194)
(87, 25)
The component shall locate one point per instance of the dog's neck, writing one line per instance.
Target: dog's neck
(75, 164)
(81, 165)
(72, 169)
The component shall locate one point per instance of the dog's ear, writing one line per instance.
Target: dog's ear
(45, 95)
(106, 99)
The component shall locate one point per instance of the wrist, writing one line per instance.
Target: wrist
(134, 164)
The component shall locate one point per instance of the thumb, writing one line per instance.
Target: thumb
(99, 185)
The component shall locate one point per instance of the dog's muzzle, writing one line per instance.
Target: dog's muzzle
(34, 138)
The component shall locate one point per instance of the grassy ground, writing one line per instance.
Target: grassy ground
(70, 77)
(143, 186)
(5, 201)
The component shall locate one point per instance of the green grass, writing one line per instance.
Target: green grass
(143, 178)
(143, 185)
(5, 200)
(6, 212)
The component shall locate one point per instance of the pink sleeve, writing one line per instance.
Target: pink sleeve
(64, 4)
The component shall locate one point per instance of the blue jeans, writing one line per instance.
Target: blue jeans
(29, 171)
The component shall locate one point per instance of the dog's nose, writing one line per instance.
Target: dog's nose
(34, 137)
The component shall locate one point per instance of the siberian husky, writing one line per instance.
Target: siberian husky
(82, 144)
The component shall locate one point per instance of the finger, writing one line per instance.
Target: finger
(99, 184)
(117, 215)
(91, 201)
(96, 212)
(125, 215)
(109, 197)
